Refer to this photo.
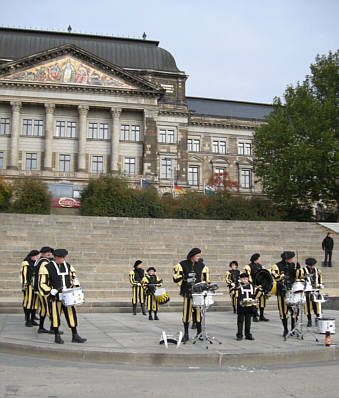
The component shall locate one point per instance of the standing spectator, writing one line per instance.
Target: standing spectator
(327, 246)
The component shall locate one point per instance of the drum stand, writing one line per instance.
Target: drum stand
(203, 335)
(298, 329)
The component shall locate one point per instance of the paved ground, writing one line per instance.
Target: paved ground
(134, 340)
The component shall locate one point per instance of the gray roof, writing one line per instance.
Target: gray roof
(228, 109)
(123, 52)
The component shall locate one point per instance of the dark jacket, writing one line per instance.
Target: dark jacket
(327, 243)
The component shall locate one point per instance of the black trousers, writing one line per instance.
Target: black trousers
(328, 254)
(244, 314)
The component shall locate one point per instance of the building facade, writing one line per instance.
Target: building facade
(75, 106)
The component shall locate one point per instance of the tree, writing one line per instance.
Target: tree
(221, 182)
(296, 150)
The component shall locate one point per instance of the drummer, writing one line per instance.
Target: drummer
(232, 280)
(185, 274)
(284, 273)
(54, 277)
(313, 277)
(149, 283)
(251, 270)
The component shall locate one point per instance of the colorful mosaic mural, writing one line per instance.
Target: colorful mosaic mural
(68, 70)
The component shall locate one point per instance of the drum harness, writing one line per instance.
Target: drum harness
(62, 274)
(248, 292)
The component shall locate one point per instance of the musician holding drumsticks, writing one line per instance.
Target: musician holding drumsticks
(149, 283)
(55, 277)
(185, 274)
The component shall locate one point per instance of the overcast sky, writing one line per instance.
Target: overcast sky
(246, 50)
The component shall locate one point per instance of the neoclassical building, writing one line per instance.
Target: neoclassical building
(73, 106)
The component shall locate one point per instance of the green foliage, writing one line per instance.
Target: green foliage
(191, 205)
(5, 194)
(31, 196)
(296, 151)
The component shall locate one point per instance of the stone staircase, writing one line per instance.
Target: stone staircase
(103, 251)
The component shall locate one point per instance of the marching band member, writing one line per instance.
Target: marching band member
(185, 274)
(244, 294)
(149, 283)
(138, 293)
(46, 253)
(251, 270)
(232, 280)
(314, 277)
(30, 302)
(284, 272)
(53, 278)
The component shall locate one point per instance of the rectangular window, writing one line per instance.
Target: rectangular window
(166, 171)
(245, 178)
(135, 133)
(64, 162)
(129, 166)
(4, 126)
(193, 145)
(219, 147)
(219, 170)
(1, 160)
(196, 145)
(27, 127)
(92, 130)
(167, 136)
(124, 132)
(103, 131)
(31, 161)
(189, 145)
(71, 129)
(38, 128)
(97, 164)
(193, 175)
(60, 128)
(244, 148)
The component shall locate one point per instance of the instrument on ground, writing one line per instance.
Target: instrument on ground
(248, 302)
(295, 298)
(161, 295)
(202, 299)
(264, 279)
(74, 296)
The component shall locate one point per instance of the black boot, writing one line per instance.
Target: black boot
(194, 325)
(199, 330)
(309, 321)
(186, 337)
(76, 338)
(134, 309)
(262, 318)
(33, 318)
(150, 316)
(156, 316)
(143, 309)
(284, 322)
(292, 323)
(57, 338)
(28, 322)
(42, 329)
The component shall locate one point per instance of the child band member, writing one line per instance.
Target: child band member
(30, 300)
(232, 280)
(246, 295)
(138, 293)
(149, 283)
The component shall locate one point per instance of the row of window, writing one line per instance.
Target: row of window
(97, 166)
(244, 148)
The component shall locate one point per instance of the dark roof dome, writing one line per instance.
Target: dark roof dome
(123, 52)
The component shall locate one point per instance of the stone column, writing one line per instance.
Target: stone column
(150, 155)
(49, 108)
(115, 139)
(15, 133)
(83, 110)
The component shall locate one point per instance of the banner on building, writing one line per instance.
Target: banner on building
(65, 202)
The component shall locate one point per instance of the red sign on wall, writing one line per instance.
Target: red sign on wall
(65, 202)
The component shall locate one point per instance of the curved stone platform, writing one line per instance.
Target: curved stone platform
(134, 340)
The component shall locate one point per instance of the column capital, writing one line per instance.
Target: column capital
(83, 109)
(16, 106)
(116, 112)
(50, 108)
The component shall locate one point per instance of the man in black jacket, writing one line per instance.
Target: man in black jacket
(327, 246)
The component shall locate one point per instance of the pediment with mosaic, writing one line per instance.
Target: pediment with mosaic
(69, 70)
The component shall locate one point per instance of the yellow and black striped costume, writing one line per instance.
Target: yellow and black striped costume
(30, 299)
(50, 279)
(314, 277)
(232, 281)
(150, 283)
(43, 303)
(138, 293)
(251, 270)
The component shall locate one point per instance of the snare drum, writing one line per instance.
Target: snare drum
(199, 300)
(161, 295)
(292, 298)
(317, 297)
(298, 287)
(308, 287)
(73, 296)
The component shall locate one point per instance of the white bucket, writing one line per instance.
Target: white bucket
(326, 325)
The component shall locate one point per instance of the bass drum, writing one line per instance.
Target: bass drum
(264, 279)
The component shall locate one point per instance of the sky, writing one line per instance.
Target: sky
(242, 50)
